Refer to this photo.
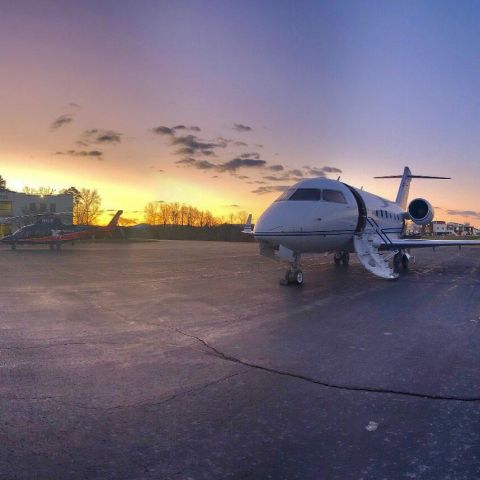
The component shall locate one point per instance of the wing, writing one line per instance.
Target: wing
(419, 243)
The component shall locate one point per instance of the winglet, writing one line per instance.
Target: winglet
(248, 226)
(114, 220)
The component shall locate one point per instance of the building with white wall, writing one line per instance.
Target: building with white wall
(18, 209)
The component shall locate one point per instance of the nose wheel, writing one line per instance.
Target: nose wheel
(294, 277)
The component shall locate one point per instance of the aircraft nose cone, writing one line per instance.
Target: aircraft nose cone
(270, 220)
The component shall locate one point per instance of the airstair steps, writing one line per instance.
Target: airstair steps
(367, 245)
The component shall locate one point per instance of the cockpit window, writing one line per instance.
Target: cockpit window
(334, 196)
(301, 194)
(306, 194)
(285, 195)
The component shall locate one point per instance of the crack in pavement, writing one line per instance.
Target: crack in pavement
(53, 345)
(338, 386)
(166, 399)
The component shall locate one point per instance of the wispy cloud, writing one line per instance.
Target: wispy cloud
(98, 136)
(464, 213)
(83, 153)
(61, 121)
(239, 127)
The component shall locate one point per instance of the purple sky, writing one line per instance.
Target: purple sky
(363, 87)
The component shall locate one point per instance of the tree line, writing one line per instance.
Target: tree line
(175, 213)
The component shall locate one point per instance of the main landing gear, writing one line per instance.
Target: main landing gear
(341, 258)
(400, 260)
(294, 275)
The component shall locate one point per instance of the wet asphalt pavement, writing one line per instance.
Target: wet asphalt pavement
(188, 360)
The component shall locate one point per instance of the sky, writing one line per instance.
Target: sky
(221, 104)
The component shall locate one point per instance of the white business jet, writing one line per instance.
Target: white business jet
(320, 215)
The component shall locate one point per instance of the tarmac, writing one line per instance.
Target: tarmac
(187, 360)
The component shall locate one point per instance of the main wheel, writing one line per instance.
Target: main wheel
(405, 262)
(337, 258)
(345, 258)
(298, 277)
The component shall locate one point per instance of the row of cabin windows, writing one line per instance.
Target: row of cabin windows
(312, 195)
(385, 214)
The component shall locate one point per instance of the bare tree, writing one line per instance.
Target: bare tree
(152, 213)
(175, 213)
(76, 202)
(89, 206)
(242, 217)
(165, 213)
(3, 183)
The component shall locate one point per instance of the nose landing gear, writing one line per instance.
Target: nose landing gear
(294, 275)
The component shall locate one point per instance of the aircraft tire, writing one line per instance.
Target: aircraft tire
(294, 277)
(345, 259)
(405, 262)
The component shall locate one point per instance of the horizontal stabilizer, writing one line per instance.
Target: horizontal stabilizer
(402, 195)
(416, 176)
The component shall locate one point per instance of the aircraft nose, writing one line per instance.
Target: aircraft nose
(271, 220)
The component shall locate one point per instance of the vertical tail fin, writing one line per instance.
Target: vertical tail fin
(248, 226)
(114, 221)
(404, 189)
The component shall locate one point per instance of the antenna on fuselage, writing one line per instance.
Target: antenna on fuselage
(338, 179)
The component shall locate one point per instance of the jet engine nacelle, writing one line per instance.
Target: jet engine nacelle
(420, 211)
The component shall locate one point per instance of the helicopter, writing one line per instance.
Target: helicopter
(50, 230)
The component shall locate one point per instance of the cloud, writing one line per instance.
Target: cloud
(464, 213)
(96, 136)
(192, 145)
(241, 128)
(61, 121)
(83, 153)
(188, 145)
(270, 189)
(240, 144)
(298, 174)
(231, 166)
(162, 130)
(250, 155)
(236, 163)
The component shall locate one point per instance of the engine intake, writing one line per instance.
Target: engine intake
(420, 211)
